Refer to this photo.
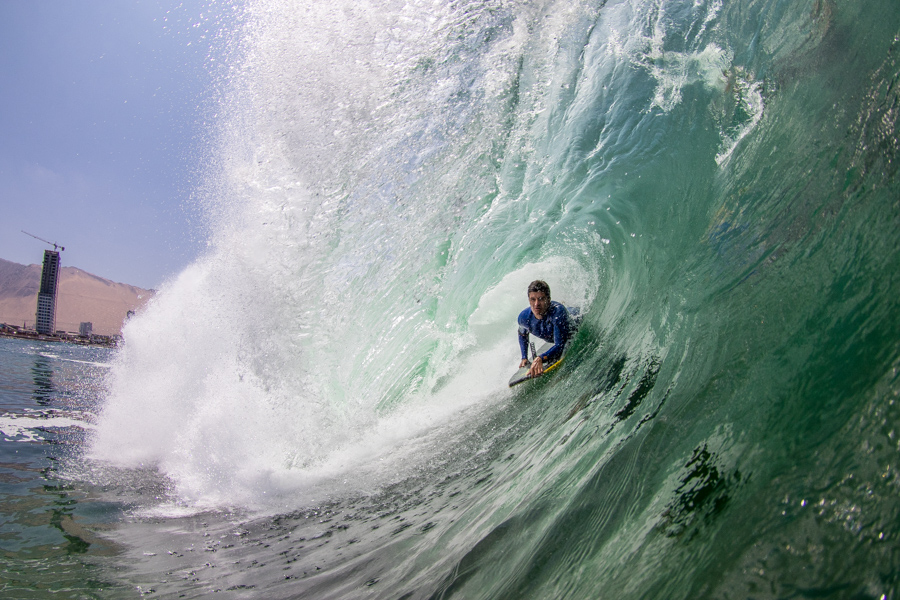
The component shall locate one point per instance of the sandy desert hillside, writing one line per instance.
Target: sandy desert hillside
(82, 297)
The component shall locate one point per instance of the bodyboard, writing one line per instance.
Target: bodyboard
(522, 374)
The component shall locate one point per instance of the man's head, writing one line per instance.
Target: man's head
(539, 298)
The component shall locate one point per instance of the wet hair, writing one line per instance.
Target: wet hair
(539, 286)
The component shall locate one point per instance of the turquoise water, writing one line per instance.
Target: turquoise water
(318, 406)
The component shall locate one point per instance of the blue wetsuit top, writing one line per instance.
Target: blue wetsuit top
(555, 327)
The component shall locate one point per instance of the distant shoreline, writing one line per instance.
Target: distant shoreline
(105, 341)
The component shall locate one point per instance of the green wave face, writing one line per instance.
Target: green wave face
(713, 183)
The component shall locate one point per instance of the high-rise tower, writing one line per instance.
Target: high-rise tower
(45, 317)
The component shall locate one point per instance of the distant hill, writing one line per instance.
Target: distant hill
(82, 297)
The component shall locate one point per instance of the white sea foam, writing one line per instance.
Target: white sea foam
(27, 427)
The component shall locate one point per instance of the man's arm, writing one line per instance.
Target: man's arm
(523, 345)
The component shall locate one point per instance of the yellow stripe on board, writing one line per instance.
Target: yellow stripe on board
(554, 365)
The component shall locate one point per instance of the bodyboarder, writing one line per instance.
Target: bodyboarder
(547, 320)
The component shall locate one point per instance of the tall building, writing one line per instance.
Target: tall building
(45, 317)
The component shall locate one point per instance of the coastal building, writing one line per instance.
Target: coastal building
(45, 316)
(85, 329)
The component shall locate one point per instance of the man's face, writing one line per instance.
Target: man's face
(540, 304)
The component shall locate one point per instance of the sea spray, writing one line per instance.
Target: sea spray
(331, 295)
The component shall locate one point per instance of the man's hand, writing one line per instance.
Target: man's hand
(537, 367)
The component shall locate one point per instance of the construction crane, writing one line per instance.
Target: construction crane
(54, 244)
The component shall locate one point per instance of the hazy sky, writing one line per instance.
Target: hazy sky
(102, 109)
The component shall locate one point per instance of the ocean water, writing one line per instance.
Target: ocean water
(317, 408)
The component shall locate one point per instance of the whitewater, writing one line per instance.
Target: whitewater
(317, 407)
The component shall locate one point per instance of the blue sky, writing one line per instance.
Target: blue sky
(103, 116)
